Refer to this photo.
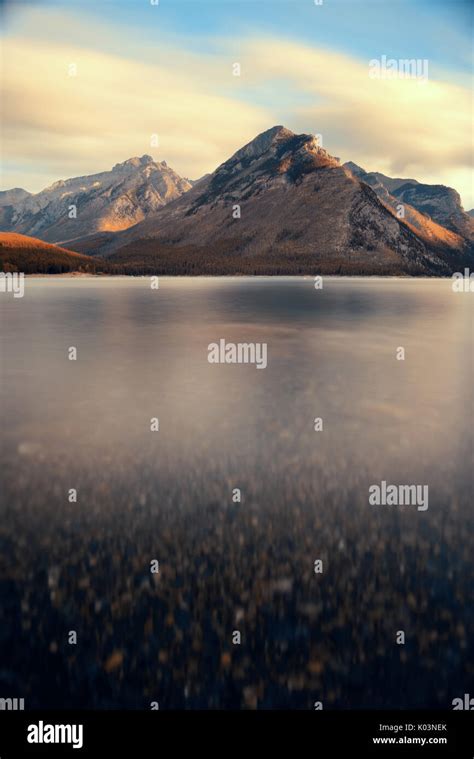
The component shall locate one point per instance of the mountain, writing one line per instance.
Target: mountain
(12, 197)
(440, 203)
(374, 178)
(109, 201)
(9, 200)
(29, 255)
(300, 212)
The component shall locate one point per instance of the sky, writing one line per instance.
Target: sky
(90, 83)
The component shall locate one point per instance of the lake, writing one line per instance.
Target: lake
(235, 480)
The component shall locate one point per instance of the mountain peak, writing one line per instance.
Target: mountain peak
(134, 162)
(15, 195)
(354, 167)
(277, 132)
(279, 142)
(263, 141)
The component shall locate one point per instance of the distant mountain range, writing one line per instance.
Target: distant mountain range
(280, 205)
(438, 202)
(111, 200)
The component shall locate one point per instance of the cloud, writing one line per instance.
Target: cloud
(112, 108)
(58, 125)
(403, 127)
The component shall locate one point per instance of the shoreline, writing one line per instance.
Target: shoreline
(84, 275)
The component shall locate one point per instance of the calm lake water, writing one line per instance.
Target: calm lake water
(227, 566)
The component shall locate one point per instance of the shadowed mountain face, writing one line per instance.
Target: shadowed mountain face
(440, 203)
(109, 201)
(282, 205)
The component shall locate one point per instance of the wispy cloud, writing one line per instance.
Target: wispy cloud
(111, 109)
(404, 127)
(57, 125)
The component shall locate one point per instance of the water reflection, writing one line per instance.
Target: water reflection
(226, 566)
